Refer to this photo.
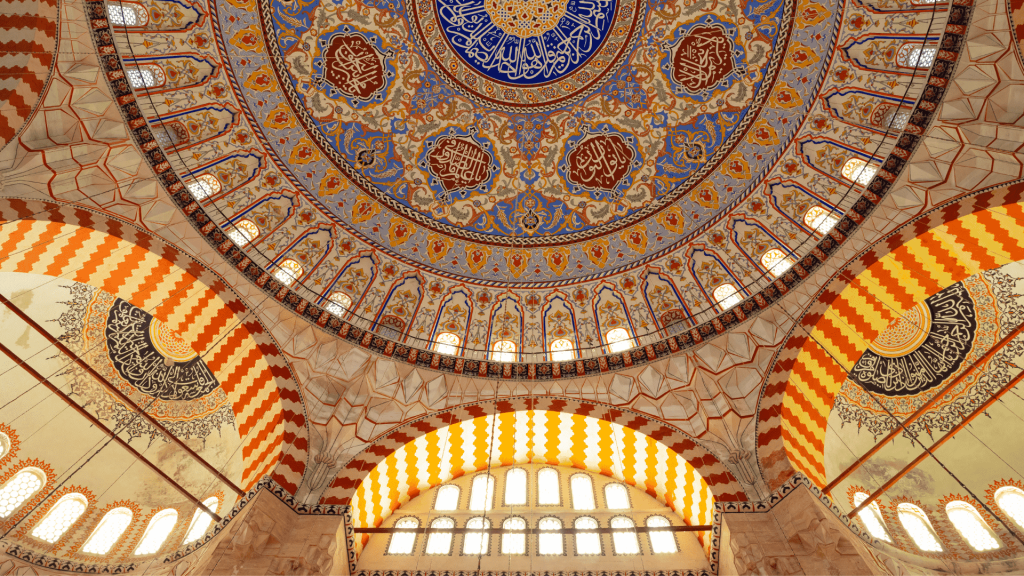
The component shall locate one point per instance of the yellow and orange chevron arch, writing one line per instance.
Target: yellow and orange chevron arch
(46, 239)
(553, 437)
(924, 257)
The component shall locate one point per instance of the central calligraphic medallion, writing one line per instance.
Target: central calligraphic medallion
(526, 55)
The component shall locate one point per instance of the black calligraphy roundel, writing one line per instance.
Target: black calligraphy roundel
(152, 359)
(922, 348)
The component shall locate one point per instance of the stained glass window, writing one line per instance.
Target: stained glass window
(776, 262)
(820, 220)
(403, 542)
(1011, 500)
(243, 232)
(587, 543)
(446, 343)
(915, 56)
(337, 303)
(146, 76)
(19, 489)
(440, 542)
(726, 296)
(447, 498)
(618, 340)
(582, 492)
(476, 543)
(110, 528)
(859, 171)
(662, 541)
(515, 487)
(201, 520)
(481, 495)
(547, 487)
(916, 523)
(158, 530)
(871, 516)
(288, 271)
(203, 186)
(562, 351)
(968, 523)
(625, 542)
(64, 513)
(503, 351)
(513, 543)
(615, 496)
(126, 14)
(549, 544)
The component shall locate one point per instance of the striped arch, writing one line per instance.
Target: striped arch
(60, 241)
(660, 460)
(922, 258)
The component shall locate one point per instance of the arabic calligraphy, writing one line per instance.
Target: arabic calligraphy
(351, 66)
(901, 362)
(458, 163)
(702, 59)
(525, 42)
(137, 358)
(599, 162)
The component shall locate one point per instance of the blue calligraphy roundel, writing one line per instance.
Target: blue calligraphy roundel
(526, 42)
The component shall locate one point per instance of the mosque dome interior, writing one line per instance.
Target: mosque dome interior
(565, 287)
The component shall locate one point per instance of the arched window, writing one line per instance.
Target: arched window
(127, 14)
(820, 220)
(476, 542)
(513, 543)
(615, 496)
(776, 262)
(582, 492)
(19, 489)
(201, 521)
(145, 76)
(403, 542)
(288, 271)
(203, 186)
(446, 343)
(618, 340)
(916, 523)
(515, 487)
(158, 530)
(859, 171)
(110, 528)
(243, 232)
(549, 544)
(170, 134)
(726, 296)
(1011, 500)
(503, 351)
(587, 543)
(662, 541)
(890, 116)
(447, 498)
(968, 523)
(915, 56)
(440, 542)
(5, 444)
(481, 495)
(547, 487)
(562, 351)
(337, 303)
(625, 542)
(871, 517)
(64, 513)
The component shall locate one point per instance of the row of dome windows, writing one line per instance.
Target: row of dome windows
(624, 542)
(962, 515)
(66, 511)
(581, 489)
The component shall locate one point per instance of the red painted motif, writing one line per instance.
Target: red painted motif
(702, 58)
(353, 66)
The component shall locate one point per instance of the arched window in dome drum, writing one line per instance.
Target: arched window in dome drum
(776, 262)
(109, 530)
(159, 529)
(820, 220)
(127, 14)
(5, 444)
(562, 350)
(515, 487)
(582, 489)
(447, 343)
(203, 186)
(288, 272)
(916, 523)
(511, 543)
(890, 116)
(1010, 499)
(447, 498)
(146, 76)
(859, 171)
(439, 541)
(481, 494)
(547, 487)
(503, 351)
(476, 542)
(19, 489)
(615, 496)
(64, 513)
(726, 296)
(171, 134)
(625, 542)
(618, 340)
(201, 521)
(549, 544)
(587, 543)
(913, 55)
(968, 523)
(871, 517)
(243, 232)
(403, 542)
(338, 303)
(662, 541)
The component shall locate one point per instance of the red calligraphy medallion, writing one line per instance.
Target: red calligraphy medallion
(458, 163)
(702, 59)
(353, 66)
(599, 162)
